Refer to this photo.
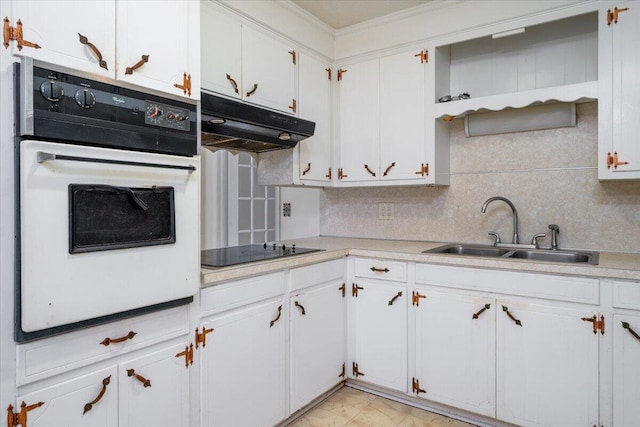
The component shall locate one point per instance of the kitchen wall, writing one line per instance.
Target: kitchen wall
(551, 176)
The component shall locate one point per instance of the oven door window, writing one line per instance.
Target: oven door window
(105, 217)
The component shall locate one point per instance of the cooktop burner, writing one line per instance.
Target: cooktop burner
(224, 257)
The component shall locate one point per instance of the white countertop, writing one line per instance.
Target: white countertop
(612, 265)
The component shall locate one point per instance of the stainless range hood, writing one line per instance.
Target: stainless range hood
(233, 125)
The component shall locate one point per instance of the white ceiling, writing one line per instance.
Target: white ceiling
(343, 13)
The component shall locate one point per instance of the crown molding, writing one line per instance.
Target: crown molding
(307, 16)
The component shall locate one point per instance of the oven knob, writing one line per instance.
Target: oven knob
(171, 116)
(180, 118)
(85, 98)
(51, 91)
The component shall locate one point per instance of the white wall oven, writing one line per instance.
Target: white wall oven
(109, 184)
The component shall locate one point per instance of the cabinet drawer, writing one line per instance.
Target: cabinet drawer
(227, 296)
(382, 269)
(317, 274)
(44, 358)
(561, 288)
(626, 295)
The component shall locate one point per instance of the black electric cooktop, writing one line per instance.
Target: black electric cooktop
(224, 257)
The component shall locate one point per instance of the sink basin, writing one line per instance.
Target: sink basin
(473, 250)
(557, 256)
(544, 255)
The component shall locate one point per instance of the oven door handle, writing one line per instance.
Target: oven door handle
(44, 157)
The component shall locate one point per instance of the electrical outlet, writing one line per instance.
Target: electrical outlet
(286, 209)
(386, 211)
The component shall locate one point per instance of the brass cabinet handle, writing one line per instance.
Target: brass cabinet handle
(105, 383)
(144, 59)
(380, 270)
(277, 317)
(132, 373)
(233, 83)
(631, 331)
(369, 170)
(306, 171)
(85, 41)
(482, 310)
(108, 340)
(302, 310)
(516, 321)
(392, 300)
(386, 171)
(253, 90)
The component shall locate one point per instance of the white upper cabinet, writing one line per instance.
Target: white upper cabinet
(517, 67)
(133, 41)
(158, 45)
(315, 105)
(618, 107)
(59, 36)
(386, 136)
(243, 62)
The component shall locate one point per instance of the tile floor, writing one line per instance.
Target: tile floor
(353, 408)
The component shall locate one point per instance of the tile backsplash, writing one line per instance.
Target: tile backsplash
(551, 176)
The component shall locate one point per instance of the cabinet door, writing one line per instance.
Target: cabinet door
(547, 367)
(402, 116)
(381, 335)
(221, 51)
(268, 71)
(56, 27)
(164, 399)
(455, 350)
(65, 404)
(359, 140)
(242, 368)
(626, 90)
(626, 371)
(315, 105)
(165, 34)
(317, 343)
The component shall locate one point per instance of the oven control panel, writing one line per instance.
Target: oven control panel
(167, 116)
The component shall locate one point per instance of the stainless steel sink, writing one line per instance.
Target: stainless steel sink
(543, 255)
(468, 249)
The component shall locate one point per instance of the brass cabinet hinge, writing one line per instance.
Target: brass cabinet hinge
(20, 418)
(201, 337)
(354, 290)
(343, 289)
(415, 386)
(186, 84)
(294, 106)
(598, 324)
(341, 174)
(415, 298)
(328, 175)
(10, 33)
(613, 161)
(424, 169)
(328, 70)
(613, 16)
(423, 55)
(293, 56)
(188, 355)
(344, 371)
(340, 73)
(356, 371)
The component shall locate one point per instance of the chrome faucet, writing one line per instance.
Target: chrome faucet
(555, 230)
(513, 209)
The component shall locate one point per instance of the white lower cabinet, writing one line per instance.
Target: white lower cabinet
(317, 342)
(455, 349)
(379, 334)
(242, 367)
(547, 364)
(152, 389)
(626, 370)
